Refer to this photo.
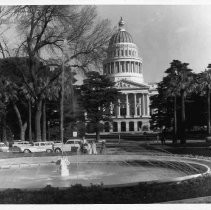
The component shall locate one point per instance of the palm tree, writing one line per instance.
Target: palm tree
(172, 92)
(204, 87)
(181, 83)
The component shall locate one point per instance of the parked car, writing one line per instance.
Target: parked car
(19, 143)
(70, 145)
(57, 142)
(3, 147)
(37, 147)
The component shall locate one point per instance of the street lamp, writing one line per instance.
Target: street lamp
(62, 95)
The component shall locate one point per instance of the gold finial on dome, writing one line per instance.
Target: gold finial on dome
(121, 24)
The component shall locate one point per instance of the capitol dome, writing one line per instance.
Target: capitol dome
(120, 37)
(123, 61)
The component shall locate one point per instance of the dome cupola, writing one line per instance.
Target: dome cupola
(122, 36)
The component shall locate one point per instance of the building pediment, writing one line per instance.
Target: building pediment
(126, 84)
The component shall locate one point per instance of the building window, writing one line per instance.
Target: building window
(122, 111)
(107, 127)
(131, 126)
(122, 52)
(127, 63)
(126, 53)
(123, 126)
(139, 125)
(115, 128)
(129, 52)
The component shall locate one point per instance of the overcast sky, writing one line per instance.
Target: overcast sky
(164, 33)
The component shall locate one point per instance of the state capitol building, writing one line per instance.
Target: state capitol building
(124, 66)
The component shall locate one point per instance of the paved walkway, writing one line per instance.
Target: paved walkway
(192, 200)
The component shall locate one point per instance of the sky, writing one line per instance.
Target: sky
(165, 32)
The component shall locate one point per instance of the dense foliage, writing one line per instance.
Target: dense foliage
(180, 105)
(97, 94)
(142, 193)
(51, 36)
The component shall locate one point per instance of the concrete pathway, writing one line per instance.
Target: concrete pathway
(206, 199)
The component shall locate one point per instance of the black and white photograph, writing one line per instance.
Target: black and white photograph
(105, 103)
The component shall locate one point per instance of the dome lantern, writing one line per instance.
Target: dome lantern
(121, 25)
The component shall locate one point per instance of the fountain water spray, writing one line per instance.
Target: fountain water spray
(64, 163)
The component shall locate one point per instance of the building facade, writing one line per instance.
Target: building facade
(124, 66)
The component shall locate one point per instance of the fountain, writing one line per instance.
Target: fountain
(111, 170)
(63, 166)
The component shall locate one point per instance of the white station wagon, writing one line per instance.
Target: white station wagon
(20, 143)
(37, 147)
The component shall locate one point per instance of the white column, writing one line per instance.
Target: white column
(118, 113)
(142, 105)
(118, 126)
(135, 108)
(148, 105)
(127, 106)
(127, 126)
(135, 126)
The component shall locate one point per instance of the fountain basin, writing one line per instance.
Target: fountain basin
(110, 171)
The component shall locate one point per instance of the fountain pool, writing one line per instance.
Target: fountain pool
(117, 170)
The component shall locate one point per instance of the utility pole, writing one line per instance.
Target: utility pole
(62, 98)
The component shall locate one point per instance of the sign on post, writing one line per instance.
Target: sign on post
(75, 134)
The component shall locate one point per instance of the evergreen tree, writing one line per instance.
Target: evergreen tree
(97, 94)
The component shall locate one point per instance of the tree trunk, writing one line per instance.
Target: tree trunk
(4, 128)
(44, 121)
(175, 120)
(97, 131)
(208, 111)
(49, 134)
(62, 103)
(38, 115)
(30, 120)
(23, 131)
(97, 135)
(183, 138)
(20, 123)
